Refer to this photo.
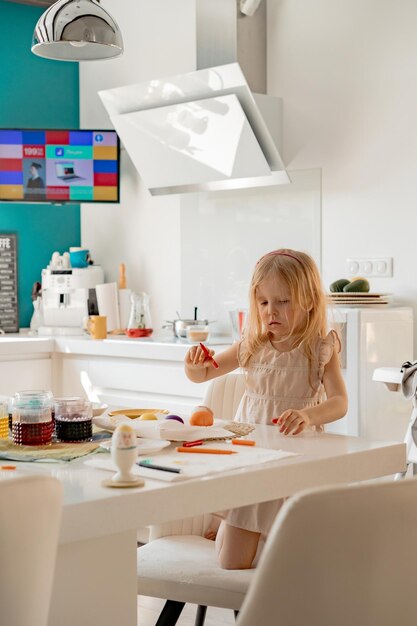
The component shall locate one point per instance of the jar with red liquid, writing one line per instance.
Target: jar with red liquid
(73, 420)
(32, 423)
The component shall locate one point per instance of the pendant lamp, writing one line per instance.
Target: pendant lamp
(77, 30)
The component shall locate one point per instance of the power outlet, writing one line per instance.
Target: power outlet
(376, 267)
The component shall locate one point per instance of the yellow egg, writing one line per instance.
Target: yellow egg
(148, 416)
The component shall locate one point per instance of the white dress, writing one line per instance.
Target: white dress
(276, 381)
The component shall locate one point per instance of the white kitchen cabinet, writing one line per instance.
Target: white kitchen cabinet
(25, 364)
(126, 374)
(373, 337)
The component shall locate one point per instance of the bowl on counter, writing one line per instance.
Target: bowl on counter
(197, 332)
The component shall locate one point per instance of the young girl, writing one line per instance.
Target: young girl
(292, 371)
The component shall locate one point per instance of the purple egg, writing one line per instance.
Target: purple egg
(175, 417)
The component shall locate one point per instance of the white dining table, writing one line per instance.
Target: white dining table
(95, 579)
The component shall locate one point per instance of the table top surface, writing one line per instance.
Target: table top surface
(323, 458)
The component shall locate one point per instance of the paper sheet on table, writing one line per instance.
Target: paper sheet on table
(193, 465)
(169, 430)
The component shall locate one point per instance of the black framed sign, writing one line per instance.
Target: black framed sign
(9, 314)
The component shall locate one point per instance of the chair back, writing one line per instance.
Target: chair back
(30, 516)
(223, 395)
(345, 555)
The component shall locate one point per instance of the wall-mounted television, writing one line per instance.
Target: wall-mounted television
(59, 166)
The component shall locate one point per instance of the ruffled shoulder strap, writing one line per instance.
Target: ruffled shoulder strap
(327, 346)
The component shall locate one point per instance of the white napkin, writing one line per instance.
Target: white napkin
(194, 465)
(168, 430)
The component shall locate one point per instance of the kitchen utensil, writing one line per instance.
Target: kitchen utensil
(179, 326)
(140, 324)
(122, 276)
(32, 423)
(73, 419)
(79, 257)
(4, 421)
(238, 318)
(97, 326)
(133, 413)
(196, 333)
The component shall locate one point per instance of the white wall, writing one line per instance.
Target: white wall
(167, 243)
(346, 70)
(142, 232)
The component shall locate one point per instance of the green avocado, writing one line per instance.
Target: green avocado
(360, 285)
(338, 285)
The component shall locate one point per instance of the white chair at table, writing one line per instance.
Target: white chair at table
(339, 556)
(30, 517)
(178, 563)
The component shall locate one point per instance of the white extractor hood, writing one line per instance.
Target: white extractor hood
(204, 130)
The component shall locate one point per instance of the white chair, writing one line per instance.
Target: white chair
(339, 556)
(178, 563)
(30, 517)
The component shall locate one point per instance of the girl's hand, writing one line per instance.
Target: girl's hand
(292, 422)
(196, 359)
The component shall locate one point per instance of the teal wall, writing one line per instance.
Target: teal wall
(35, 93)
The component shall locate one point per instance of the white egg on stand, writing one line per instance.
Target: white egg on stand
(124, 454)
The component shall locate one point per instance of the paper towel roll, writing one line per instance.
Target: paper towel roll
(108, 304)
(124, 307)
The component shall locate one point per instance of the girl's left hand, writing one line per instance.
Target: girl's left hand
(292, 422)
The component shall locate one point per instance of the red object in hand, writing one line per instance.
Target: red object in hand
(208, 356)
(275, 420)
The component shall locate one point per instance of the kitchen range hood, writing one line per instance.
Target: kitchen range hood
(206, 130)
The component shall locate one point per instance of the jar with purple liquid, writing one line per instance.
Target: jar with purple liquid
(32, 423)
(73, 420)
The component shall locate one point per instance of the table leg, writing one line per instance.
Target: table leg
(95, 582)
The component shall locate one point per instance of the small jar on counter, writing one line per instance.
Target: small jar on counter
(32, 423)
(73, 420)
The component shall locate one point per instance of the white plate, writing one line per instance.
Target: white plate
(145, 446)
(98, 409)
(358, 294)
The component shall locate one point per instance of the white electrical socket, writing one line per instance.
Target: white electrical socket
(377, 267)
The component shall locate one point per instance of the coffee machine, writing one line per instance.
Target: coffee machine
(65, 292)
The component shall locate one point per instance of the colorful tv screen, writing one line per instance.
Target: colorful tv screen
(59, 166)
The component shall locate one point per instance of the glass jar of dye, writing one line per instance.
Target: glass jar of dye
(32, 421)
(4, 420)
(73, 420)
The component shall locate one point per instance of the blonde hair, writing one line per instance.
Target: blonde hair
(301, 275)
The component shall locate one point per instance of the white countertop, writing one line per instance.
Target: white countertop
(155, 347)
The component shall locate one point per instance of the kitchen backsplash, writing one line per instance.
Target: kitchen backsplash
(224, 233)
